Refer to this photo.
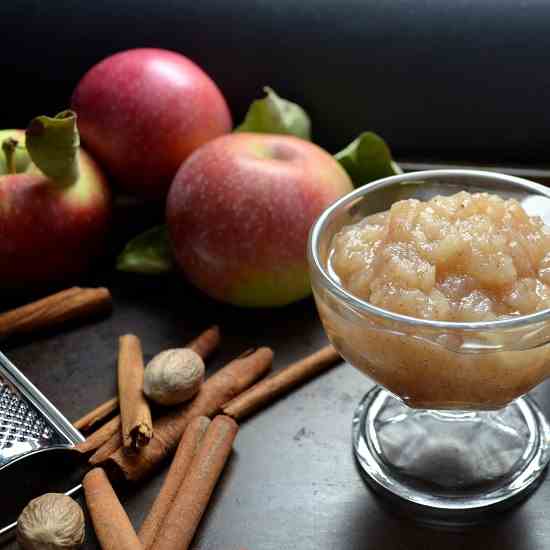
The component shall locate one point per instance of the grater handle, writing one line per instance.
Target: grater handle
(11, 526)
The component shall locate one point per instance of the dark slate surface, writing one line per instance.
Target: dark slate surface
(292, 482)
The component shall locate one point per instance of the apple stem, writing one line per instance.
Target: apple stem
(9, 145)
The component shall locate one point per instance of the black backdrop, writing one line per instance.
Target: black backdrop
(447, 79)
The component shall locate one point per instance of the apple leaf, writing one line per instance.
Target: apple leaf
(148, 253)
(367, 158)
(275, 115)
(52, 143)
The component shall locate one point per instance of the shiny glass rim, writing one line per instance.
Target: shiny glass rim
(334, 287)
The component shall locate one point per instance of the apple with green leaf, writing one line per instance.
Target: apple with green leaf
(55, 205)
(240, 208)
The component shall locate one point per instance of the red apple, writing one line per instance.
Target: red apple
(142, 112)
(239, 213)
(49, 231)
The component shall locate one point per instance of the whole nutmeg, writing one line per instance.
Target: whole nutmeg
(173, 376)
(51, 522)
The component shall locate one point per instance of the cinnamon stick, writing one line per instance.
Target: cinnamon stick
(101, 436)
(111, 523)
(70, 304)
(181, 522)
(206, 342)
(266, 391)
(96, 415)
(135, 413)
(187, 448)
(225, 384)
(106, 449)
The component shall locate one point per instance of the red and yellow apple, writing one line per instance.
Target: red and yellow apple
(143, 111)
(48, 231)
(239, 212)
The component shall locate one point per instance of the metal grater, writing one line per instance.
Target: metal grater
(29, 422)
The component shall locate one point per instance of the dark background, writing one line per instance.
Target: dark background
(439, 79)
(443, 79)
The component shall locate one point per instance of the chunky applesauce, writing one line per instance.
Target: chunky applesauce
(464, 258)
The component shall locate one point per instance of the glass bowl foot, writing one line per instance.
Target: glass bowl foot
(449, 466)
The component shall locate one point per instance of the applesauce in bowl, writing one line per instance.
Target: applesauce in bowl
(436, 285)
(463, 258)
(440, 294)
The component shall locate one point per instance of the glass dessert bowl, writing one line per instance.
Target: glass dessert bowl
(448, 429)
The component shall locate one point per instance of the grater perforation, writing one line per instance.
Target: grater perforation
(29, 423)
(22, 429)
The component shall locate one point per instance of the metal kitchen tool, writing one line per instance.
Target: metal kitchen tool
(29, 423)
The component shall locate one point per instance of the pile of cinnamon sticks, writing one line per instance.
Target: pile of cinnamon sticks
(133, 443)
(200, 432)
(176, 513)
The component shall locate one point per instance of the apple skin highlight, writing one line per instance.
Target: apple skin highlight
(142, 112)
(239, 213)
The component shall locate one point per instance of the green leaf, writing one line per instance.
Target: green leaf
(52, 143)
(368, 158)
(275, 115)
(148, 253)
